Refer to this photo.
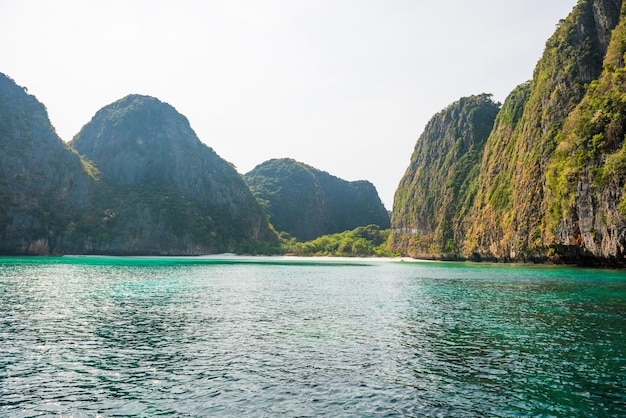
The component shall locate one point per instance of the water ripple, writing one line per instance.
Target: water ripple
(386, 339)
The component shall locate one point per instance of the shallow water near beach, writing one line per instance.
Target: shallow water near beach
(233, 336)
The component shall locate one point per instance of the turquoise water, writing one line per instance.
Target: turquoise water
(289, 337)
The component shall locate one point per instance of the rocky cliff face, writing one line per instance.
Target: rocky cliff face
(490, 214)
(537, 196)
(308, 203)
(431, 200)
(43, 184)
(587, 173)
(167, 191)
(572, 59)
(150, 187)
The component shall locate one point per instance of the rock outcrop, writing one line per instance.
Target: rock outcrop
(168, 193)
(550, 177)
(430, 204)
(308, 203)
(586, 175)
(44, 185)
(146, 186)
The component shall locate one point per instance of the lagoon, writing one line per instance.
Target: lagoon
(266, 336)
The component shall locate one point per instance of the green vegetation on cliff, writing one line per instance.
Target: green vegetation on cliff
(441, 181)
(548, 181)
(43, 184)
(307, 203)
(587, 173)
(149, 187)
(173, 194)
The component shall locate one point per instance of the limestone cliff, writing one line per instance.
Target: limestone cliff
(168, 193)
(586, 175)
(149, 187)
(43, 184)
(549, 179)
(430, 204)
(307, 203)
(572, 59)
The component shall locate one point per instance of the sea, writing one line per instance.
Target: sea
(307, 337)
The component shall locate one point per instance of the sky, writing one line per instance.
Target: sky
(345, 86)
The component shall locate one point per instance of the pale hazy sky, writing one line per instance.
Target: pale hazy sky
(346, 86)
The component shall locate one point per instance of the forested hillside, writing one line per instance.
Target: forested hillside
(173, 194)
(308, 203)
(145, 184)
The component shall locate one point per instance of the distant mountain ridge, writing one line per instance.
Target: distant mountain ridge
(308, 203)
(136, 180)
(149, 187)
